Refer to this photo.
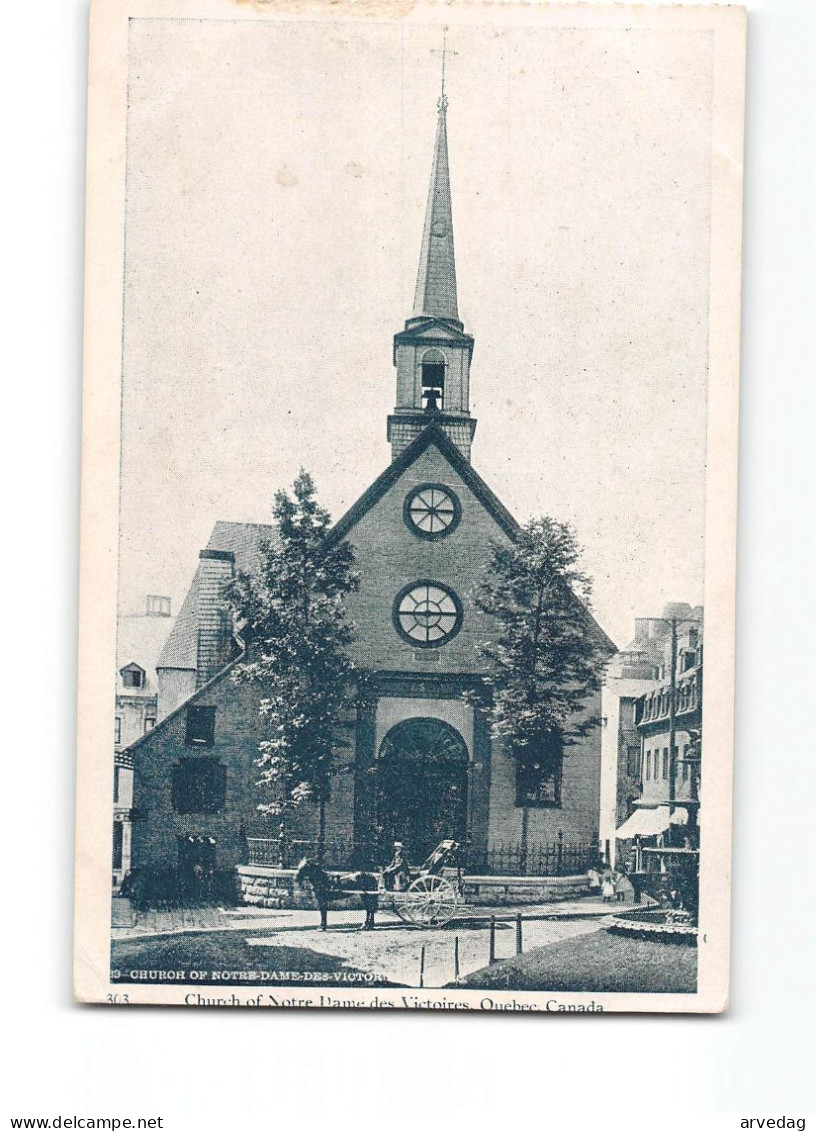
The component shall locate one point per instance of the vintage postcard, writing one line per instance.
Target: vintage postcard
(409, 505)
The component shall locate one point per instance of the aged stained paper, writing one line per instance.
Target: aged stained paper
(335, 238)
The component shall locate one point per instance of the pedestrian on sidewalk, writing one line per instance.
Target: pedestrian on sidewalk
(607, 885)
(621, 884)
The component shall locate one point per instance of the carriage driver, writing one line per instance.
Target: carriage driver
(397, 875)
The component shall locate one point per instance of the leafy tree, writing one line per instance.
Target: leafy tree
(294, 617)
(549, 655)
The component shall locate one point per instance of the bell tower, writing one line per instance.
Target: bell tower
(432, 353)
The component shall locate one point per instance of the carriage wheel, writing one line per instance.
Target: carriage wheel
(430, 901)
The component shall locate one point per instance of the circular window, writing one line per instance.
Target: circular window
(432, 511)
(427, 614)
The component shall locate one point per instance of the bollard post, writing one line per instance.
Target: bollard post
(456, 958)
(492, 940)
(519, 945)
(422, 968)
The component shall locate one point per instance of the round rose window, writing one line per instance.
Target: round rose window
(432, 510)
(427, 614)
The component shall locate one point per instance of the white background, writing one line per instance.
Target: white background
(219, 1068)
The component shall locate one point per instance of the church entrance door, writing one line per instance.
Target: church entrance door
(422, 784)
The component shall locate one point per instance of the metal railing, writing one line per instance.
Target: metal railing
(557, 858)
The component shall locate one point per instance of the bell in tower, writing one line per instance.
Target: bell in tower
(433, 381)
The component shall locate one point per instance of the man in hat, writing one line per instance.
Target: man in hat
(397, 875)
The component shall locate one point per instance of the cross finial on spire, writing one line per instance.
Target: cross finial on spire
(442, 102)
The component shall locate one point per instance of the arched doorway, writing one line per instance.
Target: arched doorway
(422, 784)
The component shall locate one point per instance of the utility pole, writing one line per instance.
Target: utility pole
(672, 720)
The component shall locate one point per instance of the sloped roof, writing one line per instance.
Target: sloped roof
(244, 540)
(181, 648)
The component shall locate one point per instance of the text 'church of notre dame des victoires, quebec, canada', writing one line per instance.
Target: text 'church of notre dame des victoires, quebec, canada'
(422, 765)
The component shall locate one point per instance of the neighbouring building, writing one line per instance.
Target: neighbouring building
(421, 762)
(668, 720)
(632, 672)
(140, 637)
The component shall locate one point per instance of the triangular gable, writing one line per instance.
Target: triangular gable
(433, 434)
(441, 331)
(432, 331)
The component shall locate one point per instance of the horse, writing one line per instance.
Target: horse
(329, 887)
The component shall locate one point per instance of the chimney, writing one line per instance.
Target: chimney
(215, 569)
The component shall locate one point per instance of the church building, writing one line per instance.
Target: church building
(421, 763)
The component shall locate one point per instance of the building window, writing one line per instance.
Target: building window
(149, 724)
(133, 676)
(115, 784)
(200, 726)
(538, 775)
(117, 730)
(158, 606)
(427, 614)
(648, 765)
(431, 511)
(199, 785)
(118, 845)
(666, 764)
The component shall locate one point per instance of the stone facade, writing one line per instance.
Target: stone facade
(577, 814)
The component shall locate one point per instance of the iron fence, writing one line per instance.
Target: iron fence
(558, 858)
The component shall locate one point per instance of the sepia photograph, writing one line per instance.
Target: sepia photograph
(416, 449)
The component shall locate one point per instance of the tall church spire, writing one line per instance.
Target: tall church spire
(432, 354)
(435, 295)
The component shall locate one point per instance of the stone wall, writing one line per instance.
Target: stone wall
(275, 888)
(389, 556)
(157, 827)
(577, 815)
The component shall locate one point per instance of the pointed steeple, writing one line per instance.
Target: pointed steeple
(435, 295)
(432, 354)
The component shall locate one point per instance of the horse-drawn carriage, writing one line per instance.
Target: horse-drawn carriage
(428, 896)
